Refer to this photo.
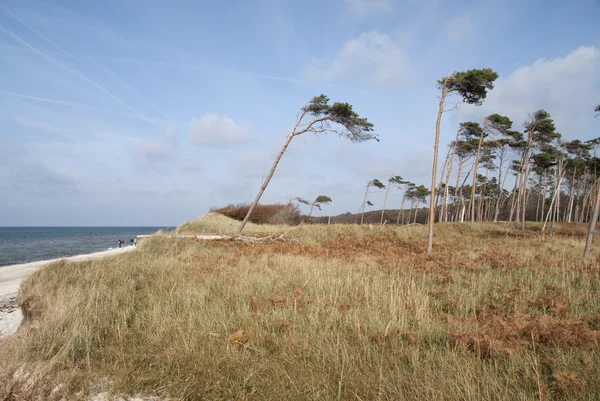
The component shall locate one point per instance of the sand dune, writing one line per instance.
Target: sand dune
(12, 276)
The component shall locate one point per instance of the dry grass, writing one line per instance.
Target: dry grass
(342, 312)
(275, 213)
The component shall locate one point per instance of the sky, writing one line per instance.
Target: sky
(150, 112)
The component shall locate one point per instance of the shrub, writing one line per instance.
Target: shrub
(276, 213)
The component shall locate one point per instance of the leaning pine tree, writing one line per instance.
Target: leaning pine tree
(595, 211)
(319, 117)
(321, 200)
(395, 181)
(494, 123)
(472, 87)
(373, 183)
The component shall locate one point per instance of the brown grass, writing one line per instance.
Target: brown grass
(276, 213)
(336, 312)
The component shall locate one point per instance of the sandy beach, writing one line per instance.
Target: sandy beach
(12, 276)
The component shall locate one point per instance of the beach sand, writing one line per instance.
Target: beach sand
(12, 276)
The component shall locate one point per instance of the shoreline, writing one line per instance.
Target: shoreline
(11, 277)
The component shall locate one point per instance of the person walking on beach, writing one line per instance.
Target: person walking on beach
(120, 243)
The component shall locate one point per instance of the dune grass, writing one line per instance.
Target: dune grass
(337, 312)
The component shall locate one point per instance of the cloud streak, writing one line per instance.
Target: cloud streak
(57, 63)
(63, 103)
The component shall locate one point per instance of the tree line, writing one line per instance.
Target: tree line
(553, 180)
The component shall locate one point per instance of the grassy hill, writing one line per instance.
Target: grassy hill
(335, 312)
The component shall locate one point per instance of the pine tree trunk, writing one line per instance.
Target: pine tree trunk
(538, 206)
(385, 201)
(513, 202)
(312, 207)
(544, 187)
(416, 212)
(475, 173)
(462, 199)
(460, 165)
(555, 197)
(593, 220)
(571, 196)
(402, 207)
(362, 215)
(444, 211)
(501, 188)
(434, 168)
(525, 197)
(583, 203)
(482, 193)
(266, 183)
(577, 206)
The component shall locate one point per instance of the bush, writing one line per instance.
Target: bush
(276, 213)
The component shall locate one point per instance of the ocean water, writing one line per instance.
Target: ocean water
(30, 244)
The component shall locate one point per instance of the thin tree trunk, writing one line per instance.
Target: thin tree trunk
(462, 199)
(525, 197)
(482, 193)
(460, 165)
(594, 219)
(545, 185)
(554, 197)
(385, 201)
(578, 191)
(513, 202)
(475, 173)
(497, 209)
(434, 168)
(362, 215)
(416, 212)
(444, 211)
(539, 199)
(266, 183)
(312, 207)
(402, 207)
(583, 203)
(571, 196)
(445, 166)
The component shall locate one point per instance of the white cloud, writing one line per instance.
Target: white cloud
(458, 29)
(363, 8)
(220, 131)
(567, 87)
(373, 57)
(153, 151)
(159, 150)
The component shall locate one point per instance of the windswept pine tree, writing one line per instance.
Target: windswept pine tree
(393, 181)
(407, 186)
(493, 124)
(374, 183)
(471, 86)
(540, 130)
(318, 202)
(319, 117)
(596, 210)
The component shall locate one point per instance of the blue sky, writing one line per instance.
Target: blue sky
(149, 112)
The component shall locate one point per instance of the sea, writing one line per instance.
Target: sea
(31, 244)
